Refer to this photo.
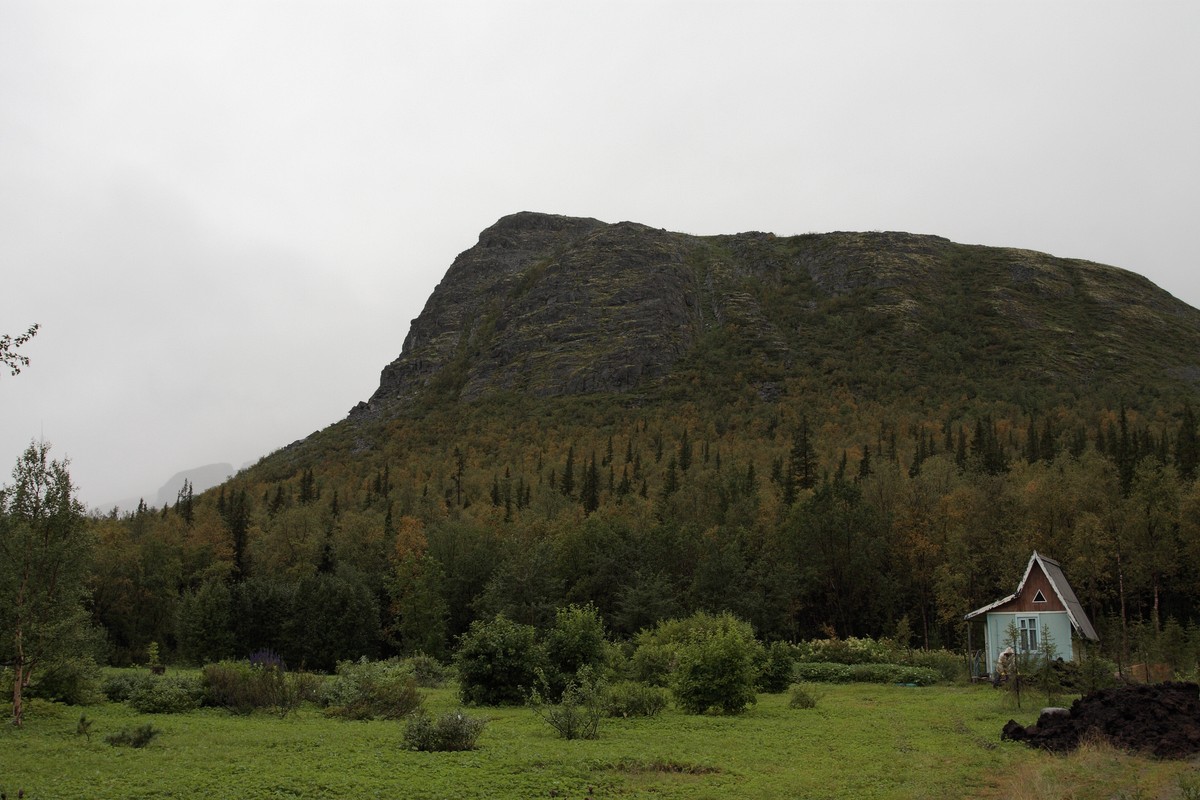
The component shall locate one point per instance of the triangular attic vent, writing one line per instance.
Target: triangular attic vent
(1039, 597)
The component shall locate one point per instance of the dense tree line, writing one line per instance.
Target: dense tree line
(786, 517)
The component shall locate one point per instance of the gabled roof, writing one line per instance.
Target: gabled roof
(1053, 572)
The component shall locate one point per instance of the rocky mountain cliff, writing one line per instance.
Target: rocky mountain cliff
(548, 305)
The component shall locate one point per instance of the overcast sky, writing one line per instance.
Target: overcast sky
(225, 214)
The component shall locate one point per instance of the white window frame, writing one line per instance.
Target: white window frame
(1029, 634)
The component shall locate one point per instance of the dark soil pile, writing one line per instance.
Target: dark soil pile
(1160, 719)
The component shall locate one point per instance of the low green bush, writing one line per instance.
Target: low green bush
(371, 689)
(498, 661)
(866, 673)
(634, 699)
(715, 666)
(242, 687)
(428, 671)
(137, 737)
(167, 694)
(775, 668)
(803, 697)
(118, 687)
(450, 732)
(581, 705)
(75, 681)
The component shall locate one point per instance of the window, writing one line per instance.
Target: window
(1028, 630)
(1039, 597)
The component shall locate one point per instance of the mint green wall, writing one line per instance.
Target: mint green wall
(996, 632)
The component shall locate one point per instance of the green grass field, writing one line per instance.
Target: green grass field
(861, 741)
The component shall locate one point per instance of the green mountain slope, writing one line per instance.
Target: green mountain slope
(547, 306)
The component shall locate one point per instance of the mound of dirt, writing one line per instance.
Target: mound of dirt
(1160, 719)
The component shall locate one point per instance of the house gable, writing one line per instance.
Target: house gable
(1035, 585)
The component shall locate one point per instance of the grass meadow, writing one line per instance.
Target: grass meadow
(861, 741)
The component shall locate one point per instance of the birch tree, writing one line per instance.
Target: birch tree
(44, 552)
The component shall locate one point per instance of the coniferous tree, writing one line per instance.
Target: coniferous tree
(685, 452)
(568, 476)
(590, 491)
(1187, 445)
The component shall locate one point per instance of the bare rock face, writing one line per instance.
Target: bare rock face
(546, 305)
(551, 305)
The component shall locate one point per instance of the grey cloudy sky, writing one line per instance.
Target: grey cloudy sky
(225, 214)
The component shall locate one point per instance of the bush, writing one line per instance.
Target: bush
(866, 673)
(427, 671)
(369, 689)
(633, 699)
(714, 666)
(576, 641)
(775, 668)
(449, 732)
(242, 687)
(824, 672)
(581, 706)
(138, 737)
(171, 694)
(802, 697)
(75, 681)
(118, 687)
(497, 662)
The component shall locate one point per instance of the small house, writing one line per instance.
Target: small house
(1043, 600)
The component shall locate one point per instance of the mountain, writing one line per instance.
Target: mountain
(201, 479)
(547, 305)
(860, 433)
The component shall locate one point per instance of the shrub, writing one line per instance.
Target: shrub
(823, 672)
(714, 666)
(449, 732)
(428, 672)
(369, 689)
(575, 642)
(802, 697)
(169, 694)
(497, 661)
(775, 668)
(118, 687)
(138, 737)
(633, 699)
(75, 681)
(866, 673)
(581, 706)
(242, 687)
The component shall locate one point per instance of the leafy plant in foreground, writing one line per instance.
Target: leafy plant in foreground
(137, 737)
(452, 731)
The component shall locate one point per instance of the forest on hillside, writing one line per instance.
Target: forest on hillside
(392, 538)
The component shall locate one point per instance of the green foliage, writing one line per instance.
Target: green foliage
(449, 732)
(575, 642)
(74, 681)
(715, 666)
(242, 687)
(776, 667)
(45, 548)
(371, 689)
(580, 706)
(428, 672)
(635, 699)
(118, 687)
(136, 737)
(205, 622)
(167, 694)
(498, 661)
(818, 672)
(802, 697)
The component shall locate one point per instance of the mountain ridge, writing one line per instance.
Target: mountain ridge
(547, 305)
